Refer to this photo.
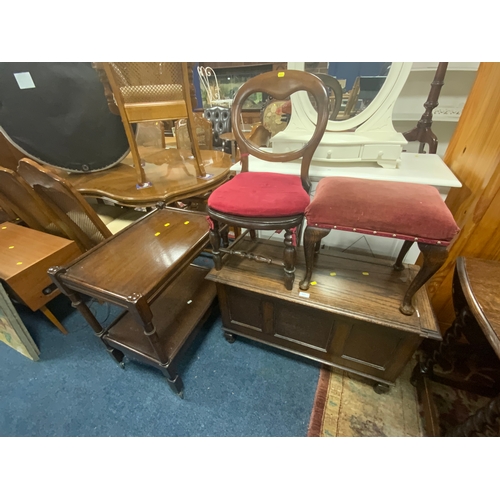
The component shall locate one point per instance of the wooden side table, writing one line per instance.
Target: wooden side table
(147, 270)
(474, 335)
(25, 257)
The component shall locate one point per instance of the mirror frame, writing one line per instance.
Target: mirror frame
(387, 96)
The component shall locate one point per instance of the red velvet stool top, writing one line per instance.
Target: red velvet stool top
(394, 209)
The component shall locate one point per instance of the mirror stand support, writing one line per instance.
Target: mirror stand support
(422, 132)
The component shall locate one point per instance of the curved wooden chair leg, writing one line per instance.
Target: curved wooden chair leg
(434, 258)
(312, 237)
(398, 265)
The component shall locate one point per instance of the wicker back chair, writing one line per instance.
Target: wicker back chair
(150, 91)
(204, 133)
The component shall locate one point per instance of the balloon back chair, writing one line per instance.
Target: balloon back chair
(267, 200)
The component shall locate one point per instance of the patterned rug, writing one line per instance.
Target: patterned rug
(347, 406)
(455, 405)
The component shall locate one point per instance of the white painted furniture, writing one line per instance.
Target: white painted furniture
(367, 138)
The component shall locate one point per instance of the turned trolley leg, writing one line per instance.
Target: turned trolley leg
(174, 381)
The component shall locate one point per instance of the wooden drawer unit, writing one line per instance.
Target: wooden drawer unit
(350, 320)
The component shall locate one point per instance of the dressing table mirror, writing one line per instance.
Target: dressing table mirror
(362, 133)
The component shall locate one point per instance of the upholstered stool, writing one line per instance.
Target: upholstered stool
(410, 212)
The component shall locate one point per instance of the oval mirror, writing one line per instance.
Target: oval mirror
(365, 88)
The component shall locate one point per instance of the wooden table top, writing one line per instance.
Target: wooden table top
(143, 258)
(479, 279)
(22, 247)
(171, 172)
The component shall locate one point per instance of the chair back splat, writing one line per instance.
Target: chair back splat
(68, 207)
(19, 199)
(281, 87)
(267, 200)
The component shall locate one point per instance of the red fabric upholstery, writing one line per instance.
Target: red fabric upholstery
(260, 194)
(395, 209)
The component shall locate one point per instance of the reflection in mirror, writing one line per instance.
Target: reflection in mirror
(275, 115)
(360, 83)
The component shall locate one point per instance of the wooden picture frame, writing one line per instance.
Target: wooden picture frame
(12, 329)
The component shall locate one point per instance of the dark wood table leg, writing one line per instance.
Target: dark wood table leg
(422, 132)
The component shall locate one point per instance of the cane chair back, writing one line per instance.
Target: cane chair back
(150, 91)
(72, 212)
(18, 198)
(204, 133)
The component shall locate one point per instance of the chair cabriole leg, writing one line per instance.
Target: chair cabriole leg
(312, 238)
(398, 265)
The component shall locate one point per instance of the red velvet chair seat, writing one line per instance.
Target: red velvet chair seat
(260, 194)
(395, 209)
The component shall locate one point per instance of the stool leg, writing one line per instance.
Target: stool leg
(434, 258)
(312, 237)
(289, 257)
(398, 265)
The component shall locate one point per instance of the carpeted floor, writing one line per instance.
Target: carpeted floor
(76, 389)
